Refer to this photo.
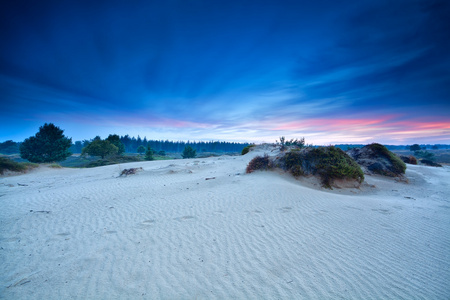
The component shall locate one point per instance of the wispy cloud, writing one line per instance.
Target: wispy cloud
(332, 72)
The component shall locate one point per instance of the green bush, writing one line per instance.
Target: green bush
(258, 163)
(398, 166)
(409, 159)
(247, 149)
(293, 163)
(332, 163)
(102, 148)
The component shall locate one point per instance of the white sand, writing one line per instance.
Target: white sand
(167, 233)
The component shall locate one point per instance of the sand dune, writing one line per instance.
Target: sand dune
(202, 229)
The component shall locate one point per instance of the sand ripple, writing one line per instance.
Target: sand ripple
(168, 233)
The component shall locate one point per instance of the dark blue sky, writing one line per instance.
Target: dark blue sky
(331, 71)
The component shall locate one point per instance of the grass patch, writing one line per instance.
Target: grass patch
(9, 165)
(55, 166)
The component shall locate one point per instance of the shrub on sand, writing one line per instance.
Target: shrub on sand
(55, 166)
(398, 166)
(377, 159)
(430, 163)
(329, 163)
(7, 164)
(258, 163)
(409, 159)
(332, 163)
(292, 162)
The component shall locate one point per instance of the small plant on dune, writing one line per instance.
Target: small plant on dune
(258, 163)
(409, 159)
(300, 143)
(332, 163)
(412, 160)
(398, 166)
(55, 166)
(247, 149)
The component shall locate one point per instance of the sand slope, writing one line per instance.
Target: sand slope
(168, 233)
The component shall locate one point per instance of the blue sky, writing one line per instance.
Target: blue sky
(329, 71)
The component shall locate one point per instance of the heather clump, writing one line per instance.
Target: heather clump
(331, 163)
(377, 159)
(258, 163)
(327, 163)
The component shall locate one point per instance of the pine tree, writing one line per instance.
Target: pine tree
(48, 145)
(188, 152)
(149, 154)
(115, 140)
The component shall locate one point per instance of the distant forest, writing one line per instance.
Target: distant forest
(132, 143)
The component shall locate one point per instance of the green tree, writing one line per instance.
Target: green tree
(9, 147)
(149, 154)
(415, 147)
(141, 149)
(100, 148)
(188, 152)
(115, 140)
(48, 145)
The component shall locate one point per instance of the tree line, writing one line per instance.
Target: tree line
(50, 144)
(131, 145)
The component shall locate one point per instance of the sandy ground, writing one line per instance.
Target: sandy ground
(202, 229)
